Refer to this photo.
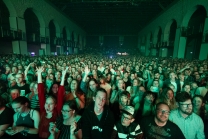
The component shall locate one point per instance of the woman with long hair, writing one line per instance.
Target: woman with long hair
(50, 107)
(199, 106)
(146, 106)
(75, 94)
(135, 94)
(120, 86)
(167, 96)
(89, 88)
(25, 120)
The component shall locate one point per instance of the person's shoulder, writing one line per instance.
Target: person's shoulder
(147, 119)
(196, 117)
(88, 109)
(34, 114)
(77, 118)
(16, 114)
(135, 125)
(8, 111)
(174, 112)
(171, 124)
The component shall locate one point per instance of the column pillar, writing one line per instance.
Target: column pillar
(163, 52)
(69, 47)
(176, 43)
(75, 43)
(203, 54)
(147, 47)
(153, 52)
(84, 42)
(182, 47)
(45, 44)
(17, 24)
(80, 42)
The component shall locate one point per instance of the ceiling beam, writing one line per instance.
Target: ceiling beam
(161, 6)
(63, 8)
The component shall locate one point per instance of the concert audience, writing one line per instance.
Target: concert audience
(140, 82)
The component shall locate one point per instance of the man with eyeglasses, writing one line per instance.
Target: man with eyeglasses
(126, 128)
(159, 127)
(190, 123)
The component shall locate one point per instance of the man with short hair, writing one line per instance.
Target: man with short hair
(190, 123)
(21, 85)
(97, 119)
(159, 127)
(156, 77)
(126, 128)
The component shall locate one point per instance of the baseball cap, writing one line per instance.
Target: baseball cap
(128, 110)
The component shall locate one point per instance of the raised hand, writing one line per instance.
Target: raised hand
(52, 127)
(82, 63)
(73, 127)
(40, 69)
(64, 71)
(87, 70)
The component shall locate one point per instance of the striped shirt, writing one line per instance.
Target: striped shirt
(34, 101)
(64, 129)
(133, 131)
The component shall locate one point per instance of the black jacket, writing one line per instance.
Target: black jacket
(92, 128)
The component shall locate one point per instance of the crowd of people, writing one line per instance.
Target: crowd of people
(100, 97)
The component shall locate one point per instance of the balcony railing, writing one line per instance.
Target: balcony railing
(191, 30)
(12, 34)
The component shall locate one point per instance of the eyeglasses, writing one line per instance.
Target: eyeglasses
(186, 105)
(64, 111)
(126, 118)
(163, 111)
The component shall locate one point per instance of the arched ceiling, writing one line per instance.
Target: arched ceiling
(112, 17)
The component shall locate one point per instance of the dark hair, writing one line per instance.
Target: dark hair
(50, 90)
(161, 103)
(156, 71)
(164, 92)
(93, 79)
(30, 77)
(125, 93)
(72, 105)
(53, 97)
(146, 94)
(202, 108)
(149, 93)
(22, 100)
(183, 96)
(199, 96)
(100, 90)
